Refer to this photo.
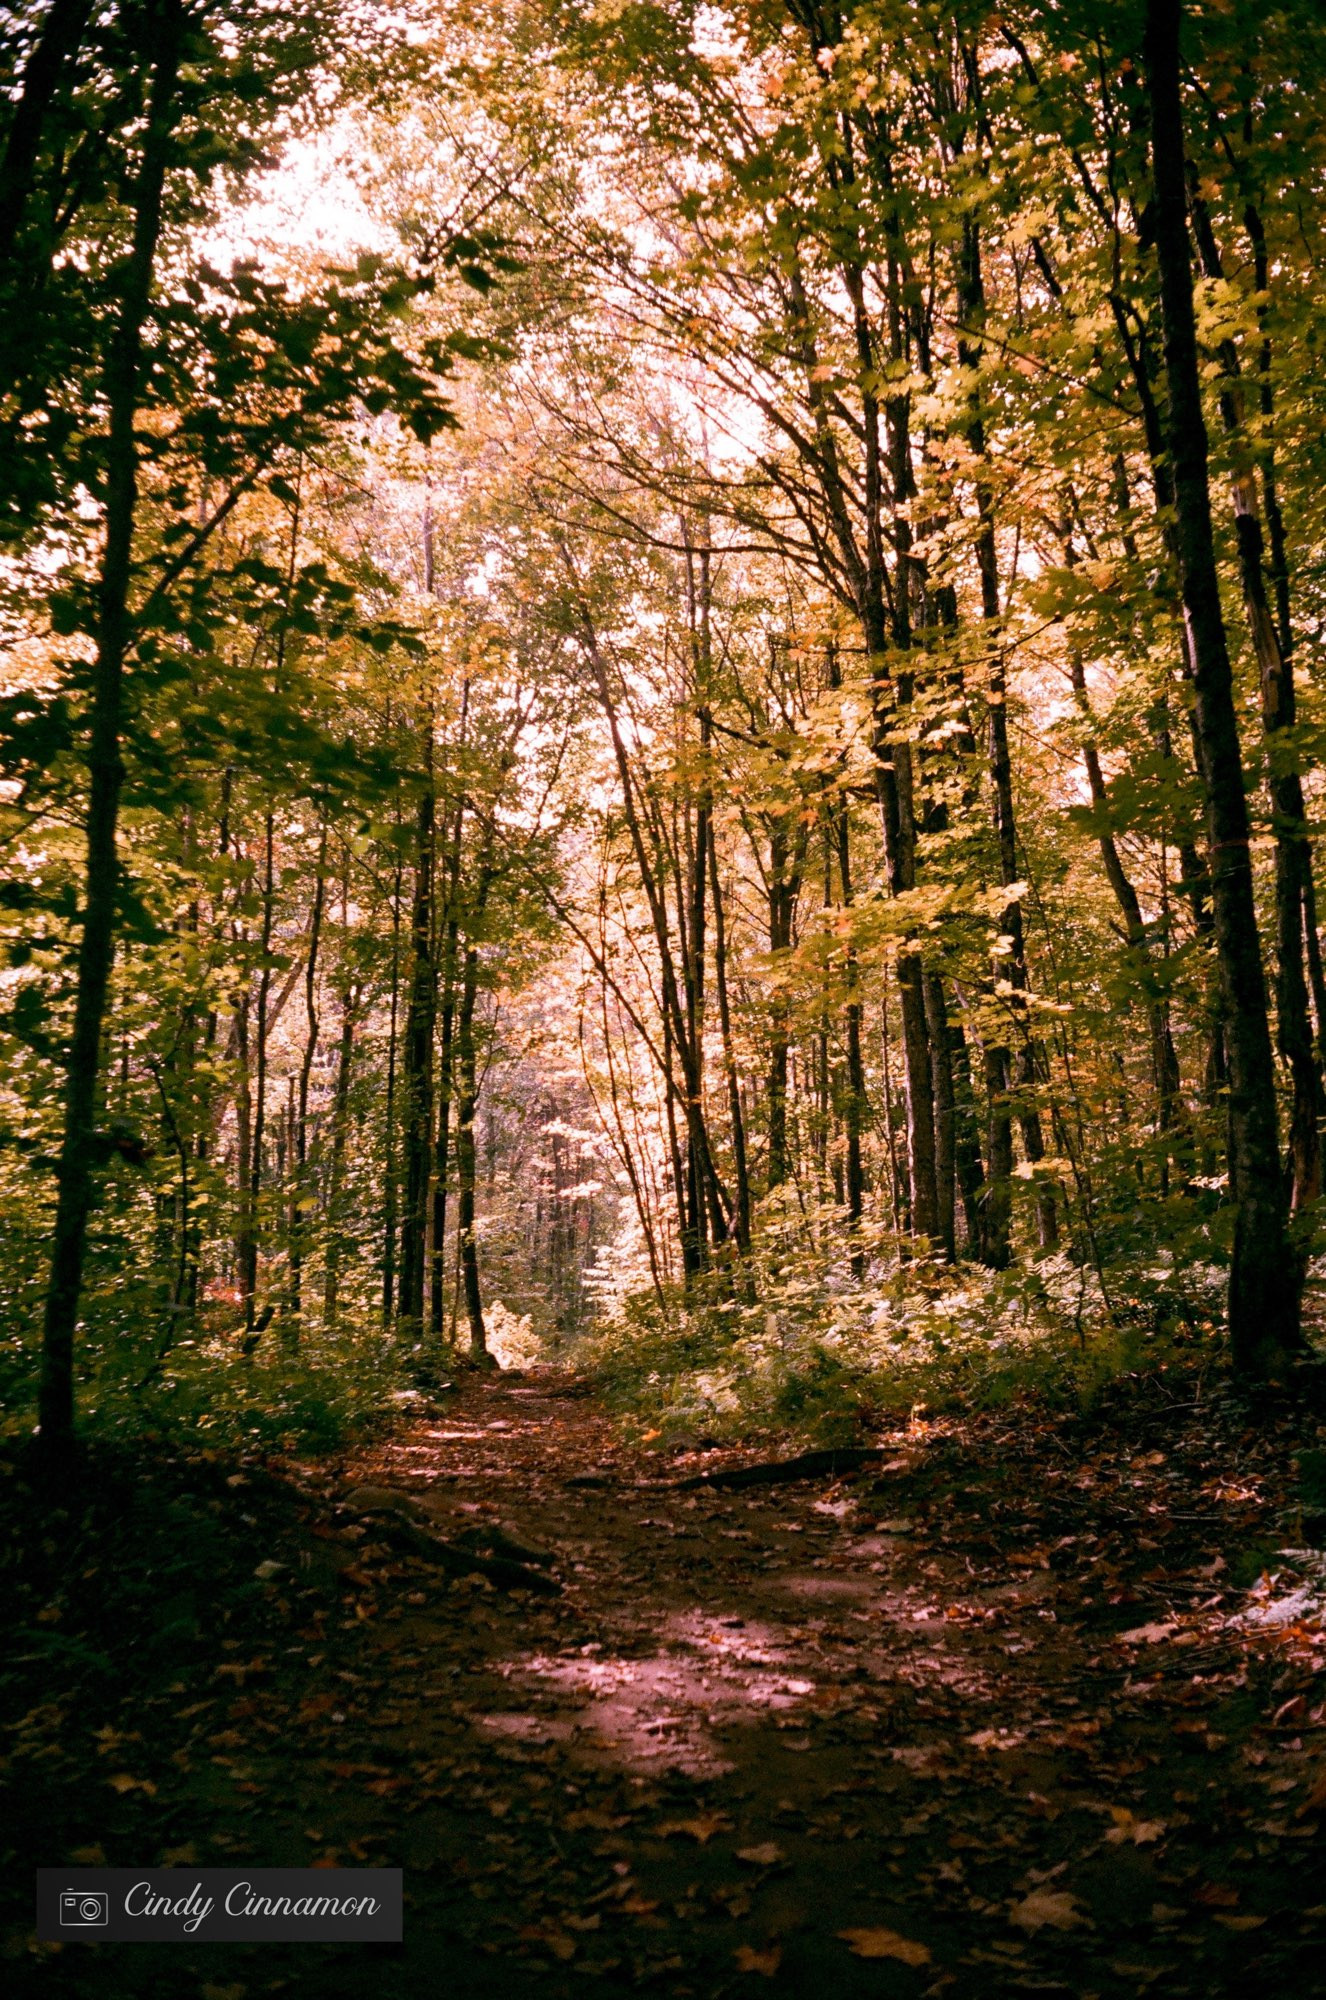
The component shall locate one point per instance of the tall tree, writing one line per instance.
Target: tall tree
(1264, 1284)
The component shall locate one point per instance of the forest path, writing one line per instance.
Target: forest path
(898, 1705)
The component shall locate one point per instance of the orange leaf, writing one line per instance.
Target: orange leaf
(750, 1960)
(878, 1942)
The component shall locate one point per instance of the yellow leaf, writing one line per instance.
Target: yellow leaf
(767, 1855)
(122, 1782)
(878, 1942)
(702, 1828)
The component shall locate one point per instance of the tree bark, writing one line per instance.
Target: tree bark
(252, 1195)
(417, 1052)
(340, 1132)
(300, 1192)
(1293, 852)
(1264, 1284)
(123, 382)
(390, 1173)
(467, 1249)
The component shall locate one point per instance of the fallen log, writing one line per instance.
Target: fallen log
(777, 1471)
(402, 1518)
(497, 1541)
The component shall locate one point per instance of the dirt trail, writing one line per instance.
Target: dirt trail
(896, 1706)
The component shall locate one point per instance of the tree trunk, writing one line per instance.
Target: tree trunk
(736, 1116)
(248, 1277)
(418, 1053)
(1164, 1058)
(1264, 1286)
(123, 379)
(971, 309)
(1293, 852)
(340, 1132)
(783, 888)
(300, 1192)
(450, 932)
(389, 1162)
(467, 1103)
(946, 1154)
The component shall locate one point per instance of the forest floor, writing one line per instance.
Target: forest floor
(1031, 1705)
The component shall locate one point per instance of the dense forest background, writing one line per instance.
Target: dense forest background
(661, 699)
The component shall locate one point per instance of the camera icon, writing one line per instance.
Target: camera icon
(83, 1909)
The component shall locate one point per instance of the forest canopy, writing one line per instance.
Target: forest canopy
(661, 698)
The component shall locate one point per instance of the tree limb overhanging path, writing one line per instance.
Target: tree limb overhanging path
(1007, 1706)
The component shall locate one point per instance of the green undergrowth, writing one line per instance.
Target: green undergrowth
(820, 1354)
(330, 1392)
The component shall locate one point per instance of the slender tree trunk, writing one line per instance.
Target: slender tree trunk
(967, 1142)
(1293, 851)
(300, 1192)
(782, 895)
(340, 1133)
(243, 1150)
(467, 1249)
(248, 1278)
(418, 1052)
(897, 1180)
(735, 1113)
(1164, 1058)
(855, 1107)
(971, 307)
(123, 381)
(437, 1291)
(946, 1156)
(893, 786)
(708, 1199)
(1264, 1288)
(390, 1166)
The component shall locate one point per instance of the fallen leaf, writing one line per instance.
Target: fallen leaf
(1140, 1831)
(1055, 1907)
(1240, 1923)
(180, 1857)
(88, 1857)
(878, 1942)
(750, 1960)
(1147, 1635)
(211, 1992)
(702, 1828)
(1315, 1798)
(122, 1783)
(1216, 1895)
(767, 1855)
